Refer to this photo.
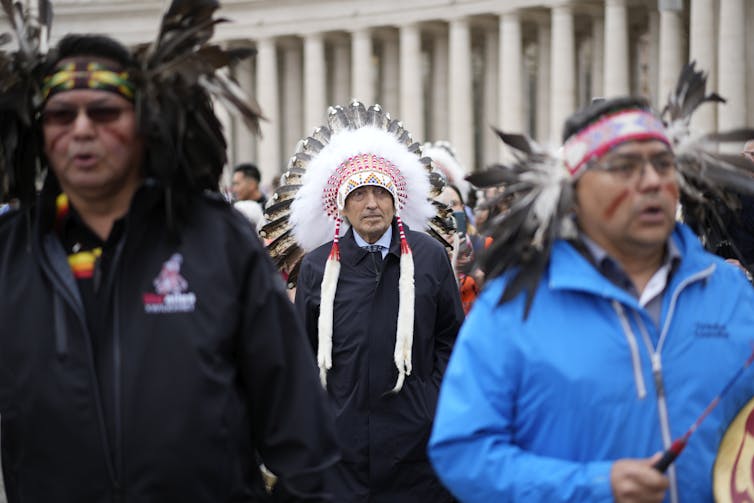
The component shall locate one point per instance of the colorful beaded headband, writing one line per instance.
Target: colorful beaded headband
(600, 137)
(91, 75)
(360, 170)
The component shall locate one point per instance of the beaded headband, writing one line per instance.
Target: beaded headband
(358, 171)
(610, 131)
(88, 75)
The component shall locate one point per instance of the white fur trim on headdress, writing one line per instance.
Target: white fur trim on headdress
(314, 209)
(325, 321)
(404, 335)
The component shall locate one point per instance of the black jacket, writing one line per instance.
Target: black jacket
(383, 437)
(198, 381)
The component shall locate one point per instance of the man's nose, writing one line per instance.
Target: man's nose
(371, 199)
(82, 124)
(648, 176)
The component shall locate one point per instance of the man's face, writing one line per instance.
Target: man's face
(244, 187)
(625, 210)
(91, 143)
(450, 197)
(748, 151)
(370, 211)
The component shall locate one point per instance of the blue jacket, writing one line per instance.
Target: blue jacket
(538, 410)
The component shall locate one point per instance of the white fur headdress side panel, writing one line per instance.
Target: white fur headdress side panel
(312, 226)
(404, 335)
(325, 321)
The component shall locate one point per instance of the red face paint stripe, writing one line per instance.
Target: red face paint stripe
(613, 207)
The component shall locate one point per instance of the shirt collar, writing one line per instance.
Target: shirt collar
(612, 270)
(384, 240)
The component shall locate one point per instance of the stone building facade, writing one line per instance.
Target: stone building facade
(449, 69)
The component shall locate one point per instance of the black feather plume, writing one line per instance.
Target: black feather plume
(711, 181)
(530, 211)
(20, 97)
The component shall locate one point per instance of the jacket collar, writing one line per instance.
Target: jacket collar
(146, 196)
(570, 270)
(352, 253)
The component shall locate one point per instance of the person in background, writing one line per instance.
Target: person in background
(245, 184)
(380, 304)
(467, 243)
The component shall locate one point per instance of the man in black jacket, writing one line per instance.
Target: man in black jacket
(382, 310)
(148, 351)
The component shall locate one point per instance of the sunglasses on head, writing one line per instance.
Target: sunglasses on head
(64, 116)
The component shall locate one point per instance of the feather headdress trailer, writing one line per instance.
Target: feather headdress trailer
(538, 191)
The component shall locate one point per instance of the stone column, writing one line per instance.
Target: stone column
(341, 74)
(293, 96)
(653, 59)
(544, 80)
(563, 86)
(702, 49)
(244, 146)
(616, 49)
(671, 47)
(362, 66)
(511, 70)
(315, 104)
(731, 60)
(268, 146)
(598, 57)
(490, 101)
(461, 116)
(390, 85)
(411, 88)
(438, 128)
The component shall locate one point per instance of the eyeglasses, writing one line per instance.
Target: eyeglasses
(631, 167)
(65, 116)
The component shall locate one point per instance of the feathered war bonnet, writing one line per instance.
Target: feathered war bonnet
(171, 82)
(358, 147)
(541, 184)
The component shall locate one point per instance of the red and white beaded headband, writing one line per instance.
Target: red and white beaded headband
(610, 131)
(360, 170)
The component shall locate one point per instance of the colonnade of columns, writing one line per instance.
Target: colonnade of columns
(518, 69)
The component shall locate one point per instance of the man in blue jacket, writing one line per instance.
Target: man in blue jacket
(632, 331)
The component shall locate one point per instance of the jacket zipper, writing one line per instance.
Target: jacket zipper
(61, 331)
(110, 287)
(53, 265)
(641, 388)
(656, 359)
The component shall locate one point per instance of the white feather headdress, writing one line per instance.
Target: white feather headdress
(359, 146)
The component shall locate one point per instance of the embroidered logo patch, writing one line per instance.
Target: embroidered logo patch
(710, 330)
(171, 290)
